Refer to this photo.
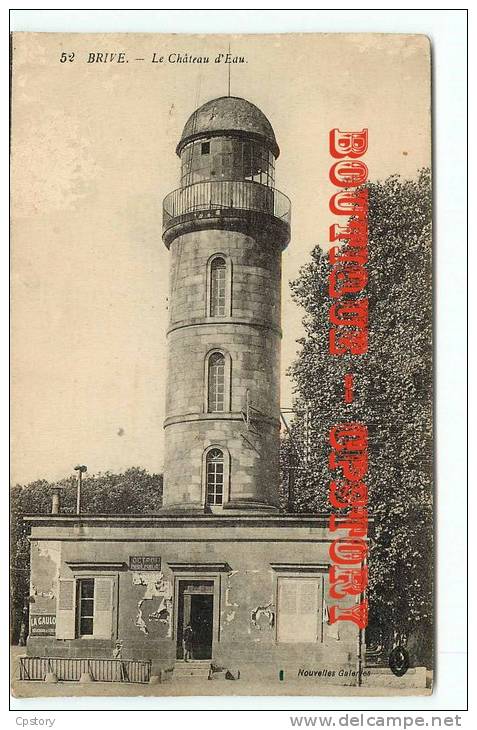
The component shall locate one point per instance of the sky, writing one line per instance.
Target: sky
(93, 156)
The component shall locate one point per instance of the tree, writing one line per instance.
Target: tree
(393, 397)
(133, 492)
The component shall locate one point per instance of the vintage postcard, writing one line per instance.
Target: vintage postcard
(222, 365)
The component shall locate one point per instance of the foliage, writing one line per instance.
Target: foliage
(393, 396)
(133, 492)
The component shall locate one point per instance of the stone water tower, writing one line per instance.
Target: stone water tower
(225, 227)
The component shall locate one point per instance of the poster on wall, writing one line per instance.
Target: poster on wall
(43, 625)
(222, 361)
(144, 562)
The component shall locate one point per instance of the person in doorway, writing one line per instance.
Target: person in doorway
(187, 637)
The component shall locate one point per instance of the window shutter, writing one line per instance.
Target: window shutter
(103, 608)
(308, 607)
(66, 610)
(298, 607)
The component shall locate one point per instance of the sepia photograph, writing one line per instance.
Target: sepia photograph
(222, 365)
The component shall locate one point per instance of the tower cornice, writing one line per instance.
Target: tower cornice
(216, 322)
(225, 416)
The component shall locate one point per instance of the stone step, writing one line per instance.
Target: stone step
(195, 668)
(200, 670)
(188, 670)
(202, 662)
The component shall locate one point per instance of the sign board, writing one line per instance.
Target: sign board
(43, 625)
(144, 562)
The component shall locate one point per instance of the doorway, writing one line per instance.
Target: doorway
(196, 607)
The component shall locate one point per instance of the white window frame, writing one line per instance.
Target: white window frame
(228, 287)
(227, 380)
(208, 462)
(226, 485)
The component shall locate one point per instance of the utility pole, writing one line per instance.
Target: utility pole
(81, 468)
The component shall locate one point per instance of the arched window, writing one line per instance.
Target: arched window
(216, 390)
(215, 477)
(217, 287)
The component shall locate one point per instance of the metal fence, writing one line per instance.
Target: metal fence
(225, 195)
(71, 669)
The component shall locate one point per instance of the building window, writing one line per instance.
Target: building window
(196, 160)
(85, 606)
(217, 287)
(217, 382)
(218, 284)
(215, 477)
(216, 390)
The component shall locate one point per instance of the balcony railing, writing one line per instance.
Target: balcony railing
(224, 196)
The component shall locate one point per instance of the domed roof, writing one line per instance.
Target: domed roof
(229, 114)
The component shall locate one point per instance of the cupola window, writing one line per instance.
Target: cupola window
(258, 164)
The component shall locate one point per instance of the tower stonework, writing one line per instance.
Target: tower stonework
(225, 227)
